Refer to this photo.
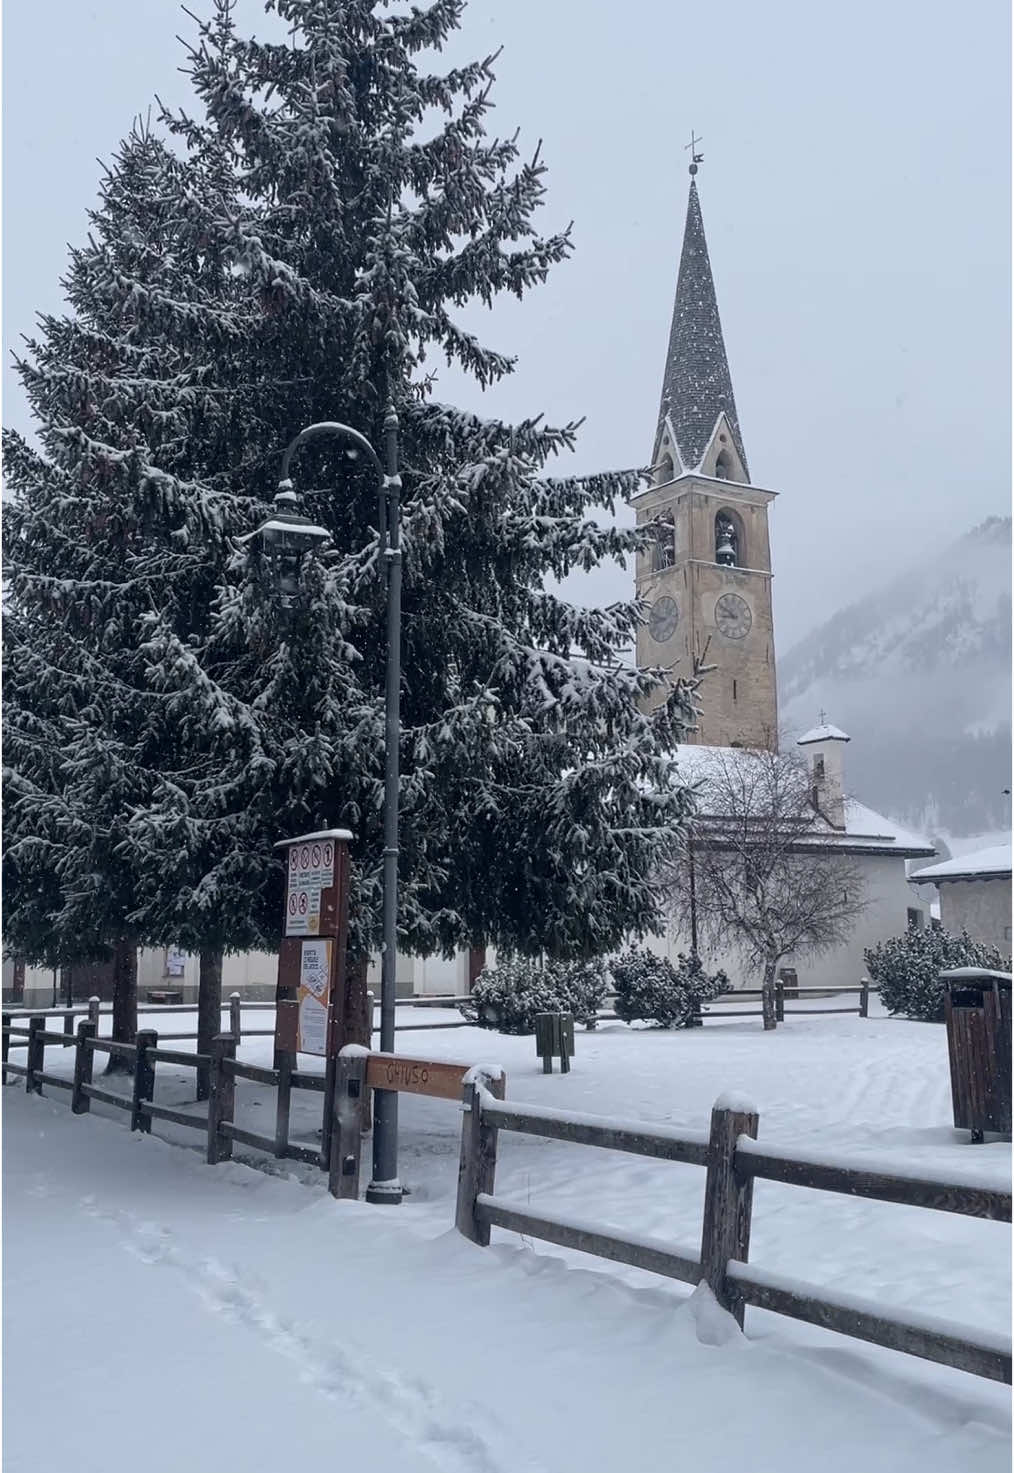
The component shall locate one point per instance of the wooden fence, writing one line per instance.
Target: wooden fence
(215, 1121)
(345, 1090)
(730, 1154)
(733, 1160)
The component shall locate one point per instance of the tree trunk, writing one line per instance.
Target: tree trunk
(476, 962)
(209, 1013)
(124, 1003)
(768, 994)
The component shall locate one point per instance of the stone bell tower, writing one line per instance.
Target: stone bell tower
(707, 578)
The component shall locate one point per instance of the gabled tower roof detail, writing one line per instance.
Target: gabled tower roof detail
(697, 386)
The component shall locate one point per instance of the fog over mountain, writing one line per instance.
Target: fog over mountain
(919, 674)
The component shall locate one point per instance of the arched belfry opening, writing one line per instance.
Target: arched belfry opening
(729, 549)
(663, 548)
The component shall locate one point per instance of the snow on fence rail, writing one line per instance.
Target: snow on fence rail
(733, 1160)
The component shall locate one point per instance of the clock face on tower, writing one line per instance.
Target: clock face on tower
(663, 619)
(733, 616)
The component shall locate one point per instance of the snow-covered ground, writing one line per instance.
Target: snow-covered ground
(201, 1317)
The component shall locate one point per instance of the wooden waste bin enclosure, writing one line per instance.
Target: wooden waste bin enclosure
(978, 1015)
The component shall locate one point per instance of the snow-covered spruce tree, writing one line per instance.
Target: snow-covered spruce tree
(299, 263)
(114, 540)
(536, 795)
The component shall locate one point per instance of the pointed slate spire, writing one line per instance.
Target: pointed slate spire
(697, 385)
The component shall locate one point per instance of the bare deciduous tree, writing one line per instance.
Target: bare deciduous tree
(758, 875)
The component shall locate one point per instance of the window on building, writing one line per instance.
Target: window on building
(734, 690)
(665, 470)
(818, 768)
(723, 466)
(915, 918)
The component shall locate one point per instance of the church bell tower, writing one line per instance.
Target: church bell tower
(707, 577)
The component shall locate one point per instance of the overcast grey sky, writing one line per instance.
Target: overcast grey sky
(856, 196)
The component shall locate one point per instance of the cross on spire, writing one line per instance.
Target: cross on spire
(822, 717)
(695, 157)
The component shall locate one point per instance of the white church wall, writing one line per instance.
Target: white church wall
(889, 899)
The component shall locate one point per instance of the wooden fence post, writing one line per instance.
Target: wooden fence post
(864, 999)
(285, 1064)
(68, 1029)
(93, 1013)
(779, 1002)
(6, 1045)
(236, 1016)
(144, 1080)
(84, 1061)
(221, 1098)
(728, 1201)
(477, 1166)
(36, 1055)
(350, 1097)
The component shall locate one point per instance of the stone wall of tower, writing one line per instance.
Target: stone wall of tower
(737, 696)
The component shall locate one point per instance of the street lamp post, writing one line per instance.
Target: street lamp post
(287, 536)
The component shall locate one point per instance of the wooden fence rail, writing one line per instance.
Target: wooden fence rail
(237, 1006)
(733, 1160)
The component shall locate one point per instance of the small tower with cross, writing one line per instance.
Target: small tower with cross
(707, 574)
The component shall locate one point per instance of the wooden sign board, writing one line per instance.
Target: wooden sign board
(311, 960)
(443, 1081)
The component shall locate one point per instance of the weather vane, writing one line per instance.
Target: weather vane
(695, 157)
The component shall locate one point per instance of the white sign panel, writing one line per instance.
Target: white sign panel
(311, 870)
(312, 1025)
(313, 967)
(314, 996)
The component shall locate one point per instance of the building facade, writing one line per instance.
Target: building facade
(975, 894)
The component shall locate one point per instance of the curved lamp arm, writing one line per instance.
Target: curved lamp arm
(315, 432)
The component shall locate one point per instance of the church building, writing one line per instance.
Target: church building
(707, 583)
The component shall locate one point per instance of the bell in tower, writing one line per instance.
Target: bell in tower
(726, 549)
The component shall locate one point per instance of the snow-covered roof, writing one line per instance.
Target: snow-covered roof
(697, 385)
(824, 733)
(866, 823)
(984, 864)
(865, 831)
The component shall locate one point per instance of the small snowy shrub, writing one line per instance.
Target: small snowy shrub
(508, 996)
(581, 987)
(649, 987)
(907, 969)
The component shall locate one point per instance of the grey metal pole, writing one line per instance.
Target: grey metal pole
(385, 1186)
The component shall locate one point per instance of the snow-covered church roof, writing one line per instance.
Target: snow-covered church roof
(865, 832)
(697, 385)
(983, 864)
(822, 733)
